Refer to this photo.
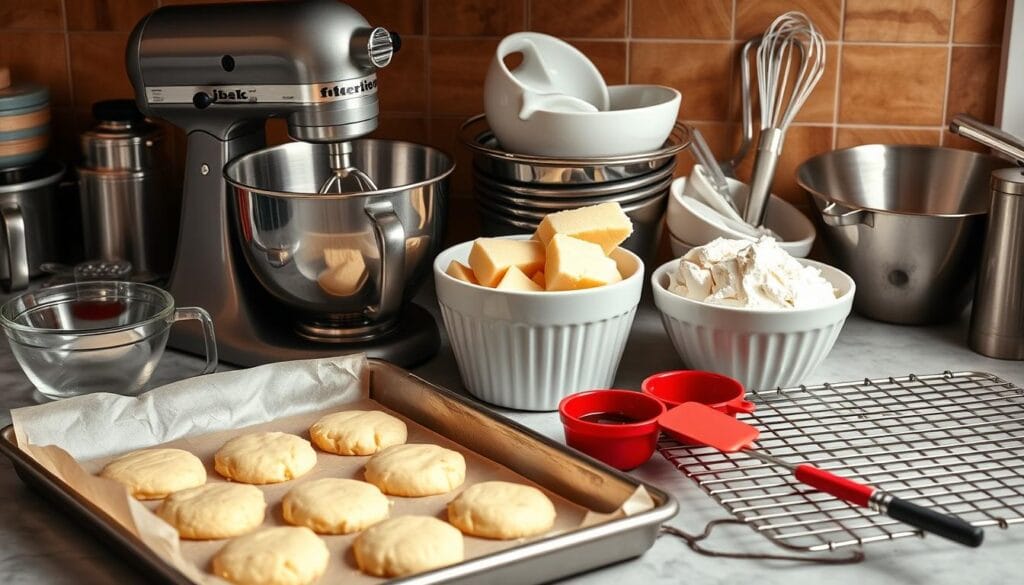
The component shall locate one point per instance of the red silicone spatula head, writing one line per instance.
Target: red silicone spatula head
(693, 422)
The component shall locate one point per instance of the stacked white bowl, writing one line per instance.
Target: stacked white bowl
(556, 137)
(692, 223)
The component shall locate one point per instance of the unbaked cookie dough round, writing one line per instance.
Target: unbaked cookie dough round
(335, 506)
(151, 474)
(407, 545)
(284, 555)
(262, 458)
(214, 510)
(357, 432)
(416, 470)
(502, 510)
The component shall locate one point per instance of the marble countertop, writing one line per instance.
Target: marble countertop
(38, 544)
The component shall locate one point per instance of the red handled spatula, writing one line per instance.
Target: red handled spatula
(697, 423)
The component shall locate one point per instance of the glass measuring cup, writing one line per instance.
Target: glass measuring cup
(98, 336)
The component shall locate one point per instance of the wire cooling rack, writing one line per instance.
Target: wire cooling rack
(951, 441)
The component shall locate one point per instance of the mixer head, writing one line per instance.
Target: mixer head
(219, 67)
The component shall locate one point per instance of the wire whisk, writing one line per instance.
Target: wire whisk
(790, 62)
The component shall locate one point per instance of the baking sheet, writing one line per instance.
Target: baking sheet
(183, 414)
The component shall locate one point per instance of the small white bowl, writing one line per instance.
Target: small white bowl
(528, 350)
(762, 348)
(679, 247)
(639, 120)
(686, 222)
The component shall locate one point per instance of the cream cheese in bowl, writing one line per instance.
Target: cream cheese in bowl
(757, 274)
(750, 311)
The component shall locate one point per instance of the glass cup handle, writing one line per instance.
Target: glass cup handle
(209, 339)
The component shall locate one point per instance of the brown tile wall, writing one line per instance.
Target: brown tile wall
(896, 70)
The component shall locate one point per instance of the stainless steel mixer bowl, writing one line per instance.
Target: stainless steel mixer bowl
(906, 222)
(345, 262)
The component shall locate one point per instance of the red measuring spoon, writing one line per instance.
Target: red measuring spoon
(697, 423)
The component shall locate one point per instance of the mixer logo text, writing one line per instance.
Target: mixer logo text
(234, 95)
(349, 90)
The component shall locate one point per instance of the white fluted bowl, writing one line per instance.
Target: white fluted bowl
(762, 348)
(528, 350)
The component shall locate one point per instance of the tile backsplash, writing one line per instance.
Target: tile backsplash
(896, 70)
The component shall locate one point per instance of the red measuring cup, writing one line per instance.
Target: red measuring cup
(619, 427)
(698, 423)
(722, 393)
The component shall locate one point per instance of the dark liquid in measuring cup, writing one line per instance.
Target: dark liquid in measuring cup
(609, 418)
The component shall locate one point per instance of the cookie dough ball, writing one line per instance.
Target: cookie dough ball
(214, 510)
(502, 510)
(416, 470)
(407, 545)
(262, 458)
(285, 555)
(151, 474)
(357, 432)
(335, 506)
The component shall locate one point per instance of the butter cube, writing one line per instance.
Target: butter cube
(576, 264)
(490, 258)
(514, 279)
(606, 225)
(539, 279)
(345, 273)
(462, 272)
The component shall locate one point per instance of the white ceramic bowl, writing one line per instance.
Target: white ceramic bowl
(552, 74)
(687, 225)
(679, 247)
(762, 348)
(528, 350)
(639, 120)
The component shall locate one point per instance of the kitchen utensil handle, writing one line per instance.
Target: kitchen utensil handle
(390, 236)
(769, 148)
(17, 247)
(209, 338)
(907, 512)
(532, 58)
(992, 137)
(706, 158)
(747, 136)
(840, 487)
(835, 215)
(928, 520)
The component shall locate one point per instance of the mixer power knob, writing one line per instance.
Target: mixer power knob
(381, 46)
(202, 100)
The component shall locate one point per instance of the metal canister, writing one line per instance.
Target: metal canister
(997, 320)
(129, 212)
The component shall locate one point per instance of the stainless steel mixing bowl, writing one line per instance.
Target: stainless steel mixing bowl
(646, 215)
(906, 222)
(346, 263)
(507, 167)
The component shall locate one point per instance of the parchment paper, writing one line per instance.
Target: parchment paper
(76, 437)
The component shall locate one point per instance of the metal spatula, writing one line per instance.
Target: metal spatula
(697, 423)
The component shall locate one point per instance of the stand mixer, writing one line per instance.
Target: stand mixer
(307, 249)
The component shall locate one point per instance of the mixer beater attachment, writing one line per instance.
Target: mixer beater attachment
(346, 177)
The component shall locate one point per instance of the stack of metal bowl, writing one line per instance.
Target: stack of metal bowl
(514, 192)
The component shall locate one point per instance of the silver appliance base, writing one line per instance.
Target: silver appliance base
(413, 341)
